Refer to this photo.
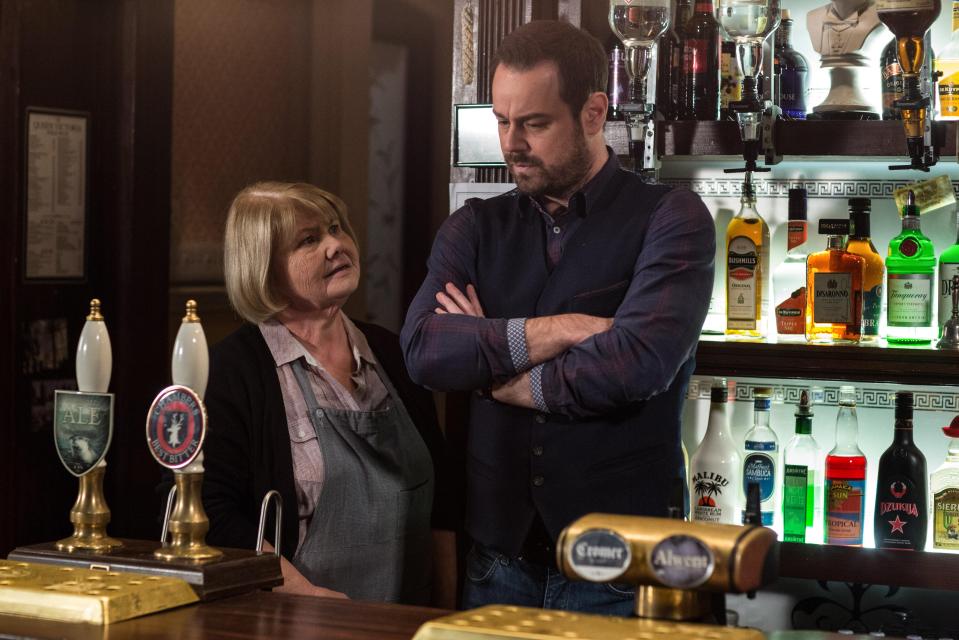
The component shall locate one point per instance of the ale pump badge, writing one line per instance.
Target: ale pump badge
(176, 427)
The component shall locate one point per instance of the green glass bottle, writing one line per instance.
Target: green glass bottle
(911, 268)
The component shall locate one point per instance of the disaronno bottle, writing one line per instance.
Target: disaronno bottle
(944, 486)
(834, 280)
(714, 468)
(747, 270)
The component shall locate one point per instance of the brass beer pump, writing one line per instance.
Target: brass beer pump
(90, 514)
(188, 522)
(681, 570)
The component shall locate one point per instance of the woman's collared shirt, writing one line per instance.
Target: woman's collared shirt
(369, 394)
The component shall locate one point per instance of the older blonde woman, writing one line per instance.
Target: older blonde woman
(306, 401)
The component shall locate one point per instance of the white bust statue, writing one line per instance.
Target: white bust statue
(842, 26)
(849, 36)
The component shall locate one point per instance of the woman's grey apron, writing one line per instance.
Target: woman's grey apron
(370, 533)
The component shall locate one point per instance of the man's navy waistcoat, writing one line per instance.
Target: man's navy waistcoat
(521, 461)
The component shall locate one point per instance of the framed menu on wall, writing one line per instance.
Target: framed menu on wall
(56, 154)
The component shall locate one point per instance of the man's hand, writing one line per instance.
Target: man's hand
(452, 300)
(549, 336)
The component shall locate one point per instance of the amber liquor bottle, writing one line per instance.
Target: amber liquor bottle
(747, 271)
(834, 281)
(860, 243)
(901, 512)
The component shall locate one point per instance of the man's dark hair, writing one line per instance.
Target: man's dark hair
(578, 56)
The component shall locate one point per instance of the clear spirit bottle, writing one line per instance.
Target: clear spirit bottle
(948, 268)
(845, 485)
(860, 244)
(911, 266)
(789, 278)
(944, 486)
(747, 270)
(834, 287)
(901, 515)
(715, 466)
(761, 460)
(802, 480)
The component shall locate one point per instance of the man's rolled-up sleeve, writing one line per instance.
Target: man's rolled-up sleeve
(454, 352)
(655, 329)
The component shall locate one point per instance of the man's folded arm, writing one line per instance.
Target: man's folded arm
(656, 328)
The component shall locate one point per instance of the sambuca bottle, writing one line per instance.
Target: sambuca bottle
(714, 468)
(761, 459)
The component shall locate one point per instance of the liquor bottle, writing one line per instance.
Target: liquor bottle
(747, 270)
(845, 484)
(947, 63)
(892, 86)
(860, 244)
(789, 278)
(730, 79)
(761, 459)
(792, 71)
(802, 480)
(901, 513)
(948, 268)
(617, 84)
(834, 285)
(671, 65)
(911, 266)
(702, 43)
(944, 486)
(714, 468)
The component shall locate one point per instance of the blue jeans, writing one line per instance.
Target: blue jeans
(493, 578)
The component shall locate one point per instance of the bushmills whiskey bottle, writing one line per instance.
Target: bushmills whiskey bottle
(901, 516)
(747, 270)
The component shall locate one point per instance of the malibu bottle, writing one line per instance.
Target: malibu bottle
(714, 468)
(901, 512)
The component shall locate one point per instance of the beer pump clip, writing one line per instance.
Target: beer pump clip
(83, 429)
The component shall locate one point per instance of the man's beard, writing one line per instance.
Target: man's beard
(557, 181)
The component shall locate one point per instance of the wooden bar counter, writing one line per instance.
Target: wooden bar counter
(260, 614)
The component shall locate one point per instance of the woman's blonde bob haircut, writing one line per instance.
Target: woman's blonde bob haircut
(260, 225)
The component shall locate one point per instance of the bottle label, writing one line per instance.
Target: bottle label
(910, 300)
(832, 301)
(798, 481)
(742, 285)
(792, 96)
(904, 5)
(892, 86)
(711, 492)
(898, 516)
(845, 500)
(791, 314)
(946, 272)
(695, 55)
(730, 79)
(797, 232)
(948, 88)
(761, 469)
(945, 527)
(871, 310)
